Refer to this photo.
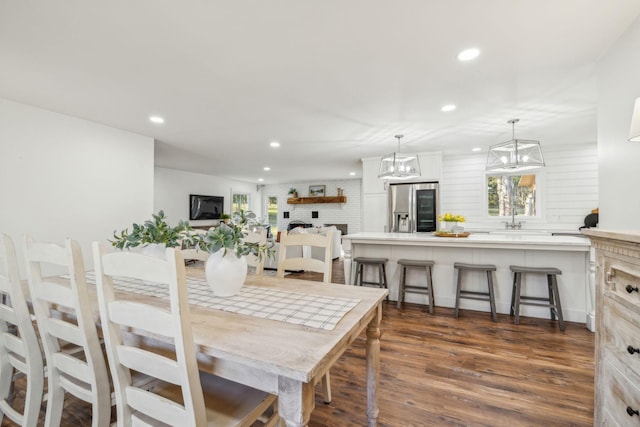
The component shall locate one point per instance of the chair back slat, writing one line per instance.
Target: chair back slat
(19, 348)
(324, 266)
(76, 324)
(189, 408)
(63, 330)
(164, 409)
(14, 344)
(142, 316)
(56, 294)
(73, 366)
(7, 314)
(144, 267)
(17, 362)
(194, 254)
(151, 364)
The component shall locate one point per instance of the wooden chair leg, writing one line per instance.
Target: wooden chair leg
(430, 284)
(492, 298)
(558, 304)
(516, 305)
(403, 278)
(459, 283)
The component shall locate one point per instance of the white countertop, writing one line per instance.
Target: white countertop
(495, 240)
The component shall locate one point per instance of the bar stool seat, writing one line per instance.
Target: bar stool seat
(460, 267)
(403, 288)
(553, 301)
(379, 263)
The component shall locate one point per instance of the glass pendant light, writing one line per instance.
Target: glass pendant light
(514, 155)
(399, 166)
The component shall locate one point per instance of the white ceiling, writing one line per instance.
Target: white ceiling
(333, 80)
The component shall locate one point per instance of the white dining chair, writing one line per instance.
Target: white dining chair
(63, 313)
(259, 237)
(19, 349)
(185, 396)
(307, 263)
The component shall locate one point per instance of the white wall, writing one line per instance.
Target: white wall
(618, 159)
(65, 177)
(173, 187)
(567, 187)
(329, 213)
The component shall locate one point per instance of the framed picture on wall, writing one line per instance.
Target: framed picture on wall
(316, 190)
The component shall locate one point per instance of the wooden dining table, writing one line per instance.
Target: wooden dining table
(278, 357)
(287, 359)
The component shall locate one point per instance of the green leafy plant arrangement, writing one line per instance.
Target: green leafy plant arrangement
(230, 238)
(156, 230)
(293, 192)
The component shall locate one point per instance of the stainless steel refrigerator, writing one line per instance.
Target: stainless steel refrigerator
(413, 207)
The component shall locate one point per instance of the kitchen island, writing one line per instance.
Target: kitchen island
(568, 253)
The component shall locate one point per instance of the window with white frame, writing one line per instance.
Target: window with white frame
(512, 195)
(240, 201)
(272, 212)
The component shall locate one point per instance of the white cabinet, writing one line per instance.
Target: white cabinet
(370, 181)
(430, 166)
(374, 212)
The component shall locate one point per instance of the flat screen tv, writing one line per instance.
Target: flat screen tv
(205, 207)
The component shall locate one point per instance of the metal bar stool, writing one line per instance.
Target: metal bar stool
(553, 301)
(476, 295)
(361, 262)
(425, 290)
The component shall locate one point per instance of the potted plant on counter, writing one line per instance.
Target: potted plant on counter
(154, 235)
(226, 267)
(225, 218)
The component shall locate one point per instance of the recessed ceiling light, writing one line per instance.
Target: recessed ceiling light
(352, 173)
(468, 54)
(448, 107)
(156, 119)
(267, 168)
(260, 179)
(476, 149)
(274, 144)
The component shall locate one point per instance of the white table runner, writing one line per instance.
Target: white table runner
(315, 311)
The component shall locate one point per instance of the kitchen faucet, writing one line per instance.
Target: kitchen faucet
(513, 225)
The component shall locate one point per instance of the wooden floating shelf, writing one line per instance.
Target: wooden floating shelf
(310, 200)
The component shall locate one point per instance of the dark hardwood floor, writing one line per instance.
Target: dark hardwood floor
(439, 370)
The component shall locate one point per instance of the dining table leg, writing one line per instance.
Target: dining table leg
(295, 402)
(373, 367)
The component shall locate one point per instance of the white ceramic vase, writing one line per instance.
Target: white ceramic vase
(225, 273)
(157, 250)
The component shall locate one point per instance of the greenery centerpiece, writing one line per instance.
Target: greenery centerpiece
(154, 231)
(226, 267)
(230, 238)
